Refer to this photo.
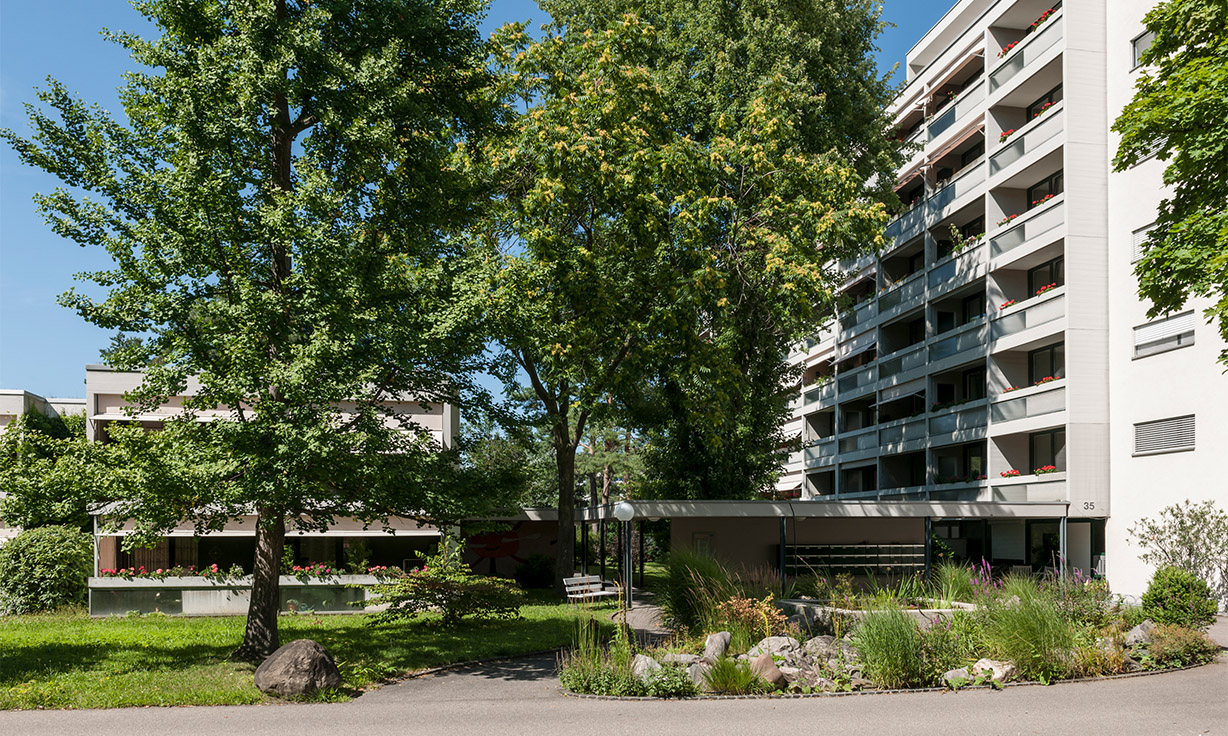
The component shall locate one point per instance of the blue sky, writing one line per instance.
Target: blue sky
(44, 347)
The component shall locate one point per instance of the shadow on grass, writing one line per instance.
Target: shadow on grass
(42, 661)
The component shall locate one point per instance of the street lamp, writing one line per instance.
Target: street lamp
(625, 512)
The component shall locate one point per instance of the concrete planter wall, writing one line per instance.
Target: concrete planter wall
(197, 596)
(815, 611)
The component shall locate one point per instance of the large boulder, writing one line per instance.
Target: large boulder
(774, 645)
(682, 659)
(716, 645)
(956, 679)
(995, 670)
(821, 648)
(301, 667)
(699, 675)
(1141, 635)
(643, 666)
(766, 668)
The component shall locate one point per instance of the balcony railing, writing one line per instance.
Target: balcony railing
(1033, 405)
(859, 315)
(900, 361)
(1027, 52)
(1020, 317)
(910, 288)
(965, 182)
(907, 225)
(969, 337)
(960, 268)
(1049, 487)
(1027, 139)
(823, 450)
(859, 378)
(865, 439)
(1031, 225)
(823, 392)
(972, 417)
(965, 104)
(907, 431)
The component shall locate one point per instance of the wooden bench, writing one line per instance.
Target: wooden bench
(586, 588)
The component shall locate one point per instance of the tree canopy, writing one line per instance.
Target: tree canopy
(274, 205)
(1180, 113)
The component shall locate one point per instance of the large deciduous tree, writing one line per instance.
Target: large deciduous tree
(1180, 113)
(718, 433)
(615, 231)
(274, 204)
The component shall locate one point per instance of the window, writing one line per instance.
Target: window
(1163, 335)
(1047, 362)
(974, 384)
(1140, 242)
(1053, 272)
(972, 154)
(1047, 448)
(1052, 97)
(1050, 186)
(973, 307)
(916, 261)
(1141, 43)
(1165, 435)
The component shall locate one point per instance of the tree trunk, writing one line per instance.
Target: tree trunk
(260, 639)
(565, 562)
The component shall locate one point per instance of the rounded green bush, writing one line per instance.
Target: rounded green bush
(1179, 598)
(45, 568)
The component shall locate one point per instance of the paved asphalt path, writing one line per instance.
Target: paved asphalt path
(521, 697)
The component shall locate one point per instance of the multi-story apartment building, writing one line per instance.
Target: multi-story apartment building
(995, 351)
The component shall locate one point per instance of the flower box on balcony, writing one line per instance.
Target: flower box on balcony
(1045, 288)
(1009, 473)
(1007, 219)
(1042, 470)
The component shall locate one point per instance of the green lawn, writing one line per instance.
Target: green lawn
(73, 661)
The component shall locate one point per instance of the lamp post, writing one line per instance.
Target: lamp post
(625, 512)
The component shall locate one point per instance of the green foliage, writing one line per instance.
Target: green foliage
(40, 458)
(1085, 602)
(446, 585)
(588, 667)
(45, 568)
(1179, 598)
(535, 572)
(892, 649)
(728, 676)
(1191, 536)
(671, 681)
(747, 620)
(1032, 633)
(1179, 646)
(1180, 111)
(948, 644)
(952, 582)
(699, 583)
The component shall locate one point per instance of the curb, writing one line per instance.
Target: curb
(798, 696)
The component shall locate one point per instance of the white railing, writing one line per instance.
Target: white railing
(1033, 405)
(1031, 137)
(1019, 317)
(1029, 226)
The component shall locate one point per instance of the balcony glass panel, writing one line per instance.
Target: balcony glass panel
(1054, 490)
(912, 288)
(860, 315)
(905, 432)
(958, 421)
(968, 101)
(1014, 321)
(864, 441)
(971, 338)
(1035, 405)
(1020, 58)
(1025, 141)
(967, 181)
(907, 360)
(823, 450)
(1036, 225)
(858, 378)
(907, 226)
(824, 392)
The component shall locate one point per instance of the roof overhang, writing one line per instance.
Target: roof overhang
(652, 510)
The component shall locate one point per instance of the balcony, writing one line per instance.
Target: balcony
(1029, 226)
(959, 269)
(1029, 138)
(858, 319)
(906, 226)
(1048, 487)
(904, 292)
(966, 182)
(858, 441)
(969, 416)
(902, 361)
(964, 106)
(1039, 402)
(1046, 308)
(902, 430)
(856, 381)
(1025, 54)
(821, 453)
(815, 393)
(965, 343)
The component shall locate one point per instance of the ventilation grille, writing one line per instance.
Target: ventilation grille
(1166, 435)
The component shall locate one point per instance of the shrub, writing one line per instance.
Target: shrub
(698, 583)
(1032, 633)
(1177, 597)
(589, 668)
(1178, 646)
(45, 568)
(891, 649)
(747, 620)
(1191, 536)
(731, 677)
(948, 644)
(1084, 601)
(447, 585)
(671, 681)
(535, 572)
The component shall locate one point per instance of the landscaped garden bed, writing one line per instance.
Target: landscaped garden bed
(733, 638)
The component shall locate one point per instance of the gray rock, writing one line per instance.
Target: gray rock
(957, 678)
(821, 647)
(995, 670)
(1012, 601)
(698, 673)
(1142, 634)
(716, 645)
(774, 645)
(643, 666)
(301, 667)
(683, 659)
(861, 683)
(1133, 665)
(793, 675)
(767, 669)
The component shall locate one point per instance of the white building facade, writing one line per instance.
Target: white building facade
(996, 350)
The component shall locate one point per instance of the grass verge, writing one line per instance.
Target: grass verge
(73, 661)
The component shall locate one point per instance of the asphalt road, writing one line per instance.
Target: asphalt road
(521, 697)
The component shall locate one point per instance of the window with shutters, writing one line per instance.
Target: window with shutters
(1163, 335)
(1140, 242)
(1138, 45)
(1165, 435)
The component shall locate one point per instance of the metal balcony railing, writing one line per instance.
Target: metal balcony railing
(1019, 317)
(1029, 226)
(1029, 138)
(1027, 52)
(1033, 405)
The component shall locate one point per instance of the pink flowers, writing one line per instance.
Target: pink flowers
(1012, 473)
(1007, 49)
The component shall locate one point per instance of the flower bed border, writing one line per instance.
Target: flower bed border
(842, 694)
